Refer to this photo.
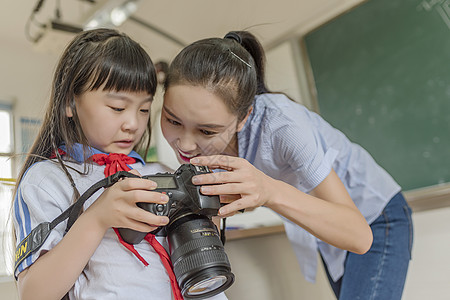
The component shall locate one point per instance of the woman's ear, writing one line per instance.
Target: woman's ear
(242, 123)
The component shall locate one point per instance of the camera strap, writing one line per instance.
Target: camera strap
(222, 231)
(40, 233)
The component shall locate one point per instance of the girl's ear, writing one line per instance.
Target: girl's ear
(242, 123)
(69, 112)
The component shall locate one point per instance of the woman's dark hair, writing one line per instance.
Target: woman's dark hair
(256, 50)
(99, 58)
(223, 67)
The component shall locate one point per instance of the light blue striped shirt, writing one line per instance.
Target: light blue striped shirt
(288, 142)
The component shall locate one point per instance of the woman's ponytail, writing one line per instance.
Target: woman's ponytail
(254, 47)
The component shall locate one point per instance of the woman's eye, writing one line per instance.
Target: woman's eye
(173, 122)
(145, 111)
(207, 132)
(117, 108)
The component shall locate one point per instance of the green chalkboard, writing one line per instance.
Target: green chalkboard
(382, 74)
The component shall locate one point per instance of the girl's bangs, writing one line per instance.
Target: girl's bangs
(128, 71)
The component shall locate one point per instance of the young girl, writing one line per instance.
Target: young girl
(280, 155)
(100, 104)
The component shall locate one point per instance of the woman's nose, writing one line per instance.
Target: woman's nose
(186, 143)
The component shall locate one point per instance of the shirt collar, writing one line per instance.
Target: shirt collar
(78, 153)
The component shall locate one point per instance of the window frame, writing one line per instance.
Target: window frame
(6, 191)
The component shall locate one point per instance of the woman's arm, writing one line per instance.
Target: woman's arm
(328, 213)
(53, 274)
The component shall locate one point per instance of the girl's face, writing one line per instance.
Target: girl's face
(196, 122)
(113, 122)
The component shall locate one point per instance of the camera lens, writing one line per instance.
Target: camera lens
(199, 261)
(207, 285)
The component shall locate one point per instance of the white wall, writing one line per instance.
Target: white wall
(266, 269)
(25, 79)
(429, 273)
(8, 290)
(282, 75)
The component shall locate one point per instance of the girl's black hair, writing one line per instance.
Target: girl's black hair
(98, 58)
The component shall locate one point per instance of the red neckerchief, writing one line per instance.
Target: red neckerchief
(60, 151)
(116, 162)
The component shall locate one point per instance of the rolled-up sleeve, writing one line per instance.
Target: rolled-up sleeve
(305, 152)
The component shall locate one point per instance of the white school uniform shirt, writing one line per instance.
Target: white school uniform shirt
(113, 272)
(288, 142)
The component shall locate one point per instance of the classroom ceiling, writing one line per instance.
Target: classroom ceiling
(183, 21)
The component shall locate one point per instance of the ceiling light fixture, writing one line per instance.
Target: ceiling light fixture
(110, 13)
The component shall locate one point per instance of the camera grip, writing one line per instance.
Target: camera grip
(131, 236)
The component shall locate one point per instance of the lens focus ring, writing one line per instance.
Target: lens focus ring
(195, 245)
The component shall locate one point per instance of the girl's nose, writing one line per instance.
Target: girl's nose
(130, 123)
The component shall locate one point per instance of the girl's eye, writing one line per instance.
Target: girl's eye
(117, 108)
(145, 111)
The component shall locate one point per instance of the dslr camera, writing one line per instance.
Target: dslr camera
(199, 261)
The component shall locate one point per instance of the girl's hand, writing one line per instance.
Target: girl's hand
(117, 205)
(242, 185)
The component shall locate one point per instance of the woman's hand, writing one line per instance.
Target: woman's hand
(117, 205)
(242, 186)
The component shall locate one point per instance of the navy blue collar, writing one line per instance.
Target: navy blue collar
(79, 157)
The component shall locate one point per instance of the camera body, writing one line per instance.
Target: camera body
(184, 199)
(198, 257)
(184, 196)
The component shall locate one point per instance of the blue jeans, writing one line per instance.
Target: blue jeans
(380, 273)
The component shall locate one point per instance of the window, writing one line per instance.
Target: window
(6, 186)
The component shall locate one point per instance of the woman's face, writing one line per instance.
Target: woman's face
(196, 122)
